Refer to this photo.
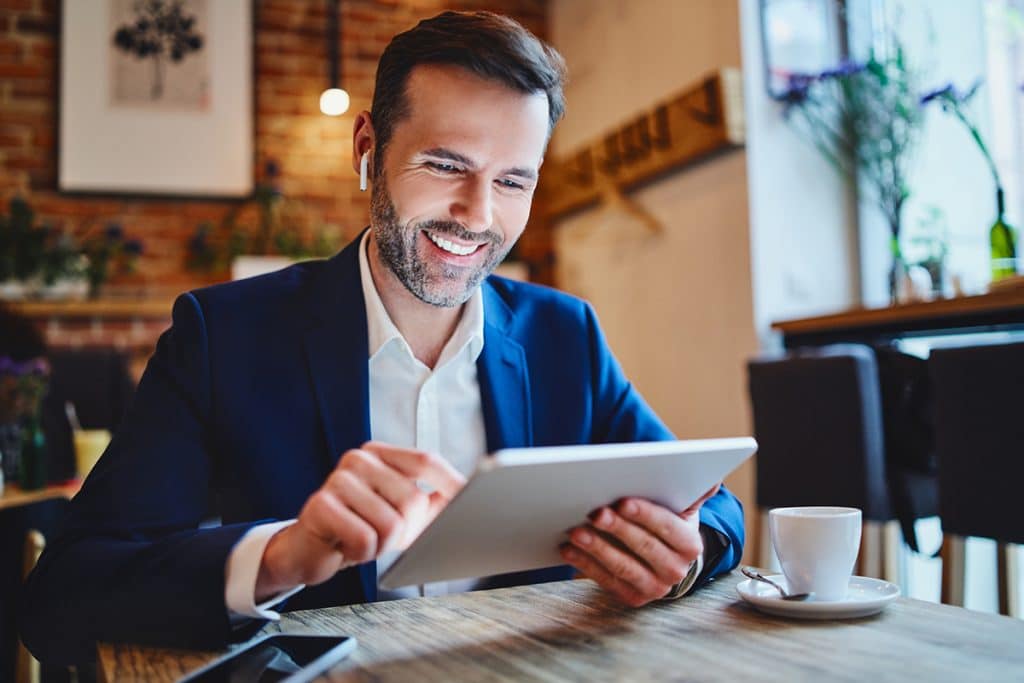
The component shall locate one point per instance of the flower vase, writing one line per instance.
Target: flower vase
(32, 469)
(897, 271)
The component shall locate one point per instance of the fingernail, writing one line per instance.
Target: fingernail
(568, 553)
(630, 508)
(584, 537)
(603, 518)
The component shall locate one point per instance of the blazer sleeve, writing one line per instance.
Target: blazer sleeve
(132, 564)
(622, 415)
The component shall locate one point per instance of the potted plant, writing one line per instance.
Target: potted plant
(283, 233)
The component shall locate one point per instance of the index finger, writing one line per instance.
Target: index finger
(419, 465)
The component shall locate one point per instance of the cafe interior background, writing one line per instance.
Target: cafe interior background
(216, 154)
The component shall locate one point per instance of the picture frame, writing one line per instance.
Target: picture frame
(156, 112)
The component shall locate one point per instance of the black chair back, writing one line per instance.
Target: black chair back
(818, 423)
(978, 394)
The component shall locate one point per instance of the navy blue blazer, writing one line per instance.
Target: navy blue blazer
(251, 397)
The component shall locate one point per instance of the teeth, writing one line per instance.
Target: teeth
(451, 247)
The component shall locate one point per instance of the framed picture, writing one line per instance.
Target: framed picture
(800, 37)
(156, 97)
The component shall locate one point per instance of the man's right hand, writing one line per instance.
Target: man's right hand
(371, 503)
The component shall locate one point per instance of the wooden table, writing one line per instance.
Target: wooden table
(1001, 310)
(13, 495)
(570, 631)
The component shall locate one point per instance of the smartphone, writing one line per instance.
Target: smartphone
(292, 658)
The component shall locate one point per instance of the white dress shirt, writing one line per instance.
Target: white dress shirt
(412, 406)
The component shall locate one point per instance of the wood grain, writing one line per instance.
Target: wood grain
(570, 631)
(705, 118)
(995, 302)
(13, 496)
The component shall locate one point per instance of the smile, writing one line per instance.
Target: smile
(451, 247)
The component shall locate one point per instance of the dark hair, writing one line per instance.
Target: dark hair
(489, 45)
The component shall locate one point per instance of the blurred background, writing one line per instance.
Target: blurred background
(728, 176)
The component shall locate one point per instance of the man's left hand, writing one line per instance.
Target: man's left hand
(635, 549)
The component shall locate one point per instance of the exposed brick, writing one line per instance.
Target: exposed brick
(19, 5)
(45, 25)
(23, 71)
(291, 68)
(31, 88)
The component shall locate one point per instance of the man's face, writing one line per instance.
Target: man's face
(458, 175)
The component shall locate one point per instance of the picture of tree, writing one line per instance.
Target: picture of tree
(158, 56)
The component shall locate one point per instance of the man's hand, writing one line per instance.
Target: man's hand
(635, 549)
(369, 504)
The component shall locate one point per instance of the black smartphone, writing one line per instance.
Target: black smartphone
(291, 658)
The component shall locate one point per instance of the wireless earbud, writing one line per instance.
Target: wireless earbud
(363, 163)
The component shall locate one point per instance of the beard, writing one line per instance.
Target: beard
(432, 282)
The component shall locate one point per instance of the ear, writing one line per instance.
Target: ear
(363, 138)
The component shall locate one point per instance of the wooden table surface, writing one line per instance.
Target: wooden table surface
(13, 495)
(570, 631)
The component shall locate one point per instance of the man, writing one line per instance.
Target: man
(266, 392)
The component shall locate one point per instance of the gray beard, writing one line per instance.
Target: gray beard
(397, 246)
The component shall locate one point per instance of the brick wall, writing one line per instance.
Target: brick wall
(313, 150)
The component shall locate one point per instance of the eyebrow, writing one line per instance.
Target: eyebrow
(444, 153)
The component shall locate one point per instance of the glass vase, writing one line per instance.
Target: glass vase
(32, 466)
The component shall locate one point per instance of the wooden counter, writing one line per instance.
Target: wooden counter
(996, 311)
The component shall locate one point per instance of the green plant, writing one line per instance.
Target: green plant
(282, 227)
(865, 119)
(106, 252)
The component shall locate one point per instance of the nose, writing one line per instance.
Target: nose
(474, 205)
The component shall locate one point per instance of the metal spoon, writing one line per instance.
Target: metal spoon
(757, 576)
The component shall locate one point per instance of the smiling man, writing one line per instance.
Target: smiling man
(302, 409)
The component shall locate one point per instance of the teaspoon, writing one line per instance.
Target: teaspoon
(757, 576)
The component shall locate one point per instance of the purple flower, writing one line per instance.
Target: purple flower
(949, 93)
(32, 366)
(271, 169)
(114, 232)
(133, 247)
(798, 88)
(845, 68)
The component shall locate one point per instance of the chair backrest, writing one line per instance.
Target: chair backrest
(978, 394)
(818, 423)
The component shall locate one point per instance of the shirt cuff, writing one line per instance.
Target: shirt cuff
(242, 570)
(686, 585)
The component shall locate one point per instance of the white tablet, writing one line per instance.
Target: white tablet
(518, 505)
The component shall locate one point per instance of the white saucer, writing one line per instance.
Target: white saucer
(867, 596)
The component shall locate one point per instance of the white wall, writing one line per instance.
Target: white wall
(677, 306)
(803, 213)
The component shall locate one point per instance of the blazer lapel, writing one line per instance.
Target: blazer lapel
(337, 353)
(504, 382)
(337, 356)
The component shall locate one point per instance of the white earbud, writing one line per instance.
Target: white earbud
(363, 162)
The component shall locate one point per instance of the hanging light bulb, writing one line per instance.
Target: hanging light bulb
(334, 101)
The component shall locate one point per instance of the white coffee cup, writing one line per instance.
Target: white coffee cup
(817, 547)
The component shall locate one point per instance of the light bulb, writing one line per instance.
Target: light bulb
(334, 102)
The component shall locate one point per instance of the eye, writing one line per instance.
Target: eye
(510, 184)
(442, 167)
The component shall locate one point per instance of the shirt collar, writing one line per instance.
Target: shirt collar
(381, 330)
